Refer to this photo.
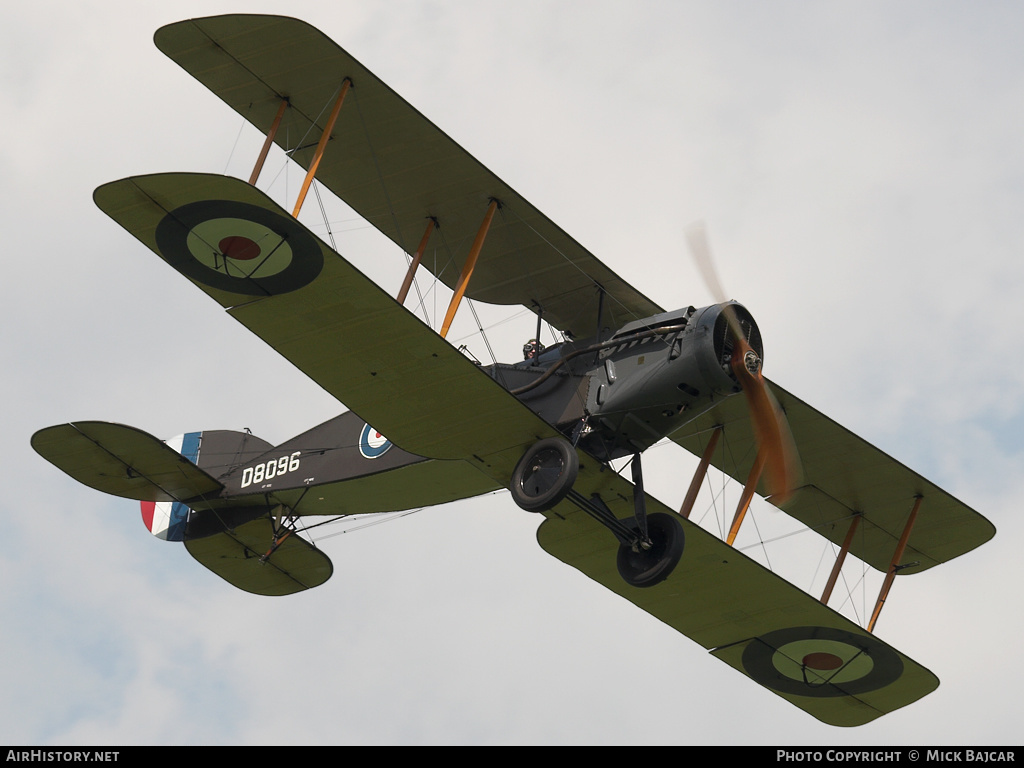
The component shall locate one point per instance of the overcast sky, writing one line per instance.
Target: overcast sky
(861, 170)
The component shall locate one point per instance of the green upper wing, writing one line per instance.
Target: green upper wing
(396, 168)
(843, 476)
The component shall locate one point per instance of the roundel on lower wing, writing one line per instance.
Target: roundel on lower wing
(372, 444)
(239, 247)
(821, 662)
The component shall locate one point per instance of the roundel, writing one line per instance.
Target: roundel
(821, 662)
(372, 444)
(239, 247)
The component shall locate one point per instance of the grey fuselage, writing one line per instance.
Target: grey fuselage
(615, 394)
(624, 391)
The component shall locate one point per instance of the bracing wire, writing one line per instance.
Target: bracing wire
(234, 146)
(323, 212)
(379, 519)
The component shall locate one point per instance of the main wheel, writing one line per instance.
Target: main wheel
(648, 567)
(545, 474)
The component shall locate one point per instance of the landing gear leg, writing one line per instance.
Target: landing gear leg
(650, 546)
(655, 553)
(639, 500)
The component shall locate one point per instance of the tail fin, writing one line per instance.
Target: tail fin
(213, 451)
(166, 519)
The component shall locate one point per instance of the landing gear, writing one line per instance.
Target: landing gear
(641, 567)
(545, 474)
(650, 546)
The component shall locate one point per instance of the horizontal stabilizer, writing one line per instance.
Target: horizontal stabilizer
(123, 461)
(246, 557)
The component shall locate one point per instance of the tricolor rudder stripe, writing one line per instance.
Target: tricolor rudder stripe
(166, 519)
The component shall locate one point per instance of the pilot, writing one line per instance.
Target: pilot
(532, 349)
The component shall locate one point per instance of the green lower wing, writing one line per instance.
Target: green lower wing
(725, 601)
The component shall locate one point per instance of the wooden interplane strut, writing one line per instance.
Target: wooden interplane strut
(271, 135)
(321, 145)
(894, 565)
(414, 264)
(840, 559)
(700, 474)
(467, 268)
(746, 496)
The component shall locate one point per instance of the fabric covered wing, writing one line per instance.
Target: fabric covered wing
(717, 596)
(322, 314)
(396, 168)
(845, 475)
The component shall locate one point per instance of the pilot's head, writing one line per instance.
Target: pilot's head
(531, 349)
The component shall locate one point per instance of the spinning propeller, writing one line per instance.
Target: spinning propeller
(771, 430)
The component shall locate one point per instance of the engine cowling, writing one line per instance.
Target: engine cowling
(663, 369)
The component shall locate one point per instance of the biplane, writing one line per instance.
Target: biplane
(627, 375)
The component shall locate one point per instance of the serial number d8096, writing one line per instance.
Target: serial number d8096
(270, 469)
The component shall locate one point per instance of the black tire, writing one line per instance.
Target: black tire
(545, 474)
(652, 566)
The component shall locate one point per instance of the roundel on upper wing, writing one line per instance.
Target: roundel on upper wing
(821, 662)
(372, 444)
(239, 247)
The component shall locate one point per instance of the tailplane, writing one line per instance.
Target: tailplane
(124, 461)
(254, 548)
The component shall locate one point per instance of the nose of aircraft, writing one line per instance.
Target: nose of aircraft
(774, 438)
